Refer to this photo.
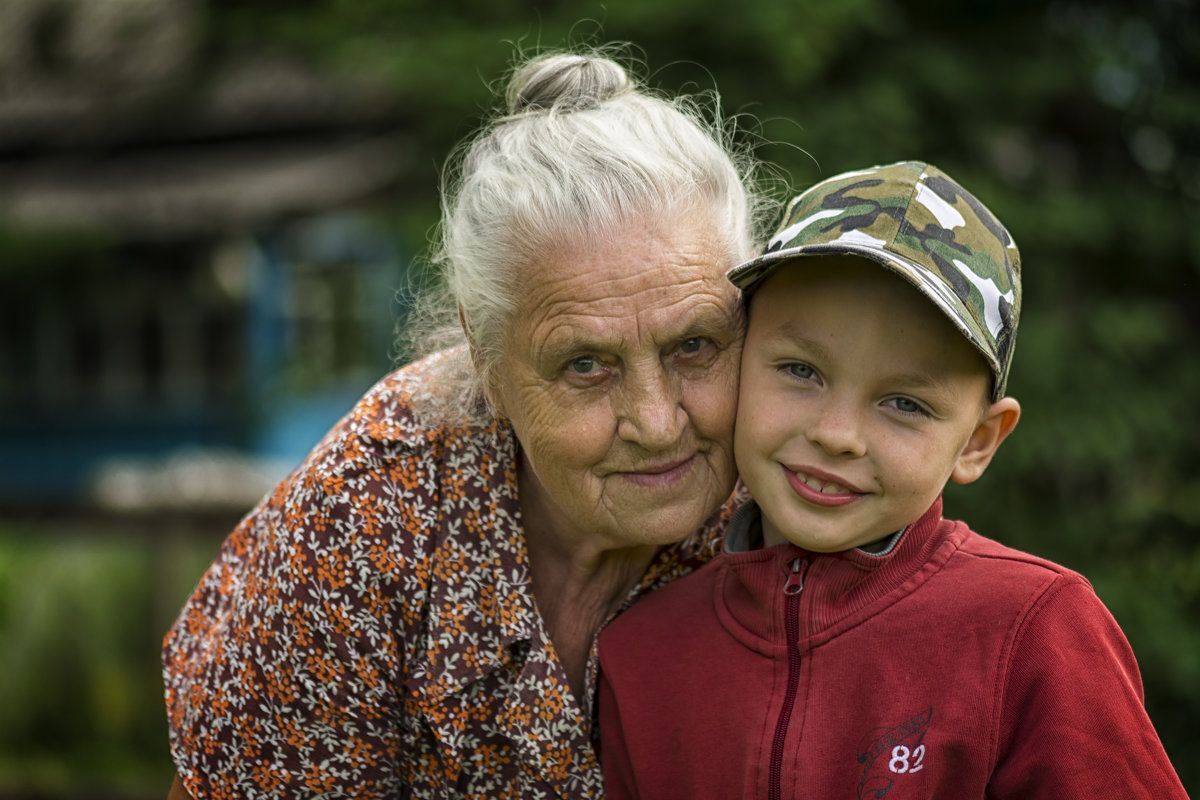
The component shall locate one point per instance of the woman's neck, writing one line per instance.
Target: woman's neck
(591, 584)
(578, 582)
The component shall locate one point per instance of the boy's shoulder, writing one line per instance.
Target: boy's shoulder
(996, 575)
(981, 577)
(988, 554)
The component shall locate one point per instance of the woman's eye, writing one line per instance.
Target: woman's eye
(802, 371)
(584, 365)
(700, 346)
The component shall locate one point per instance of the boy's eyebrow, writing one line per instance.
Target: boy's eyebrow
(913, 379)
(937, 390)
(916, 379)
(793, 333)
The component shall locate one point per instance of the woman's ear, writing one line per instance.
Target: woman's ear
(466, 327)
(477, 363)
(996, 423)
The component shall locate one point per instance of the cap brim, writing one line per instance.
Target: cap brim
(749, 275)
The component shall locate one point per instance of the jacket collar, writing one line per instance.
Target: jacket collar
(840, 589)
(745, 533)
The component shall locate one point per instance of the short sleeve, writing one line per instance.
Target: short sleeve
(284, 669)
(1073, 723)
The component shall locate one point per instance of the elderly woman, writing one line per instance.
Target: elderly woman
(413, 611)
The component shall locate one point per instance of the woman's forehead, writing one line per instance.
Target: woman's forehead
(616, 261)
(641, 277)
(700, 313)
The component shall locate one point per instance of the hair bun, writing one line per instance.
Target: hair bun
(567, 82)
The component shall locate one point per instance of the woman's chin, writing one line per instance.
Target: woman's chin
(665, 513)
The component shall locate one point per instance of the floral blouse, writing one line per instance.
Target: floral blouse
(369, 629)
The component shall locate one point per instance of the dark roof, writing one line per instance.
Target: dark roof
(156, 136)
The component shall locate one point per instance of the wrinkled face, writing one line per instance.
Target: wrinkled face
(858, 400)
(620, 380)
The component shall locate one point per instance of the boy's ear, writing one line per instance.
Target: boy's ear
(994, 427)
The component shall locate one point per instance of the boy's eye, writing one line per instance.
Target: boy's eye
(801, 370)
(906, 405)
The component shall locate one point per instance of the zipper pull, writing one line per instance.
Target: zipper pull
(795, 581)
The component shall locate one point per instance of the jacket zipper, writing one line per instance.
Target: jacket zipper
(791, 624)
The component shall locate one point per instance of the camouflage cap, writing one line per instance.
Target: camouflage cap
(918, 222)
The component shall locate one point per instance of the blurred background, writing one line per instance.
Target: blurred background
(207, 209)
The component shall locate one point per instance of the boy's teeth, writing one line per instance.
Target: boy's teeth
(823, 487)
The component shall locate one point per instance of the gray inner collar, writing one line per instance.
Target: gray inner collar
(745, 534)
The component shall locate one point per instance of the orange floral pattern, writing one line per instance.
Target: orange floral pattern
(369, 629)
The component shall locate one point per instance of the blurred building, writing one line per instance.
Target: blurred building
(193, 280)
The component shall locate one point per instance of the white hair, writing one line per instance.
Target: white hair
(581, 151)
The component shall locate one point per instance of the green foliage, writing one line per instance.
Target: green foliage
(80, 681)
(1101, 476)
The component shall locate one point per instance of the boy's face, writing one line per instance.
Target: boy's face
(858, 401)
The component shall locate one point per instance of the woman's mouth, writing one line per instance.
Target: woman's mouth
(659, 475)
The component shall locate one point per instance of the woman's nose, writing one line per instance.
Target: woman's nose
(651, 413)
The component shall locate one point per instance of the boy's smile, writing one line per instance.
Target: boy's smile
(858, 401)
(820, 487)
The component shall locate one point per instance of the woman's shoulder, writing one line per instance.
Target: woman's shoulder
(403, 421)
(408, 410)
(398, 451)
(354, 531)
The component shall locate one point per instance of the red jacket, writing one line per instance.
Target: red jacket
(949, 667)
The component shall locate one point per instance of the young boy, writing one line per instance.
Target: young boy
(850, 642)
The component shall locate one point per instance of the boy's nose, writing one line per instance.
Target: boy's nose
(837, 430)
